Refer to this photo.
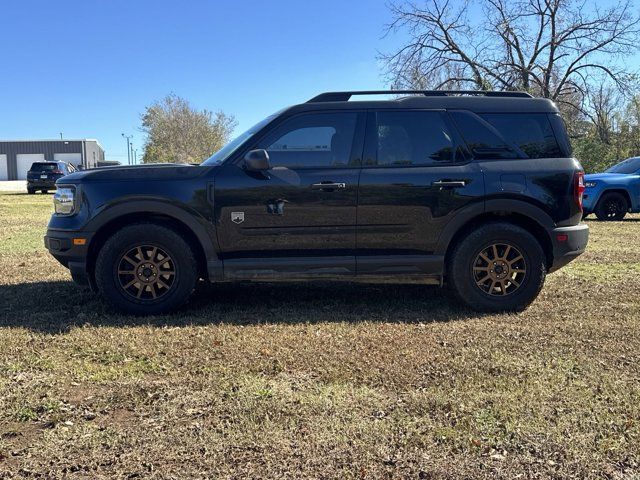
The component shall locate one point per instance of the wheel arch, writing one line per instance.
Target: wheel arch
(527, 216)
(624, 192)
(159, 213)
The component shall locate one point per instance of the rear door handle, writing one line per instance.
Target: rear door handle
(328, 186)
(450, 184)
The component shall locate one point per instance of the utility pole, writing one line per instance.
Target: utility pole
(60, 135)
(128, 137)
(133, 160)
(135, 156)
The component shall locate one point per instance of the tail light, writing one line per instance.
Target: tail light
(578, 188)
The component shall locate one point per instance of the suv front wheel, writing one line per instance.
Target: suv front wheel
(497, 267)
(146, 269)
(612, 206)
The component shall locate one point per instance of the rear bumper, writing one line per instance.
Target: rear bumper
(74, 257)
(49, 184)
(568, 244)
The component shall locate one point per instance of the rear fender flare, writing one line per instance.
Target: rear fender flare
(495, 206)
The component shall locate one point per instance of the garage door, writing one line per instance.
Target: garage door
(4, 171)
(24, 161)
(74, 159)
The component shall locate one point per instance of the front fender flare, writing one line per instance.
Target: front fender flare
(201, 228)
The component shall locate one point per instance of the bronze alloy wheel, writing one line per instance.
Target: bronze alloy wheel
(146, 272)
(499, 269)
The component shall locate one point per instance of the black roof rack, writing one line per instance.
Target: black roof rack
(345, 96)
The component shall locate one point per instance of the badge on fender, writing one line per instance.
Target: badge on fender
(237, 217)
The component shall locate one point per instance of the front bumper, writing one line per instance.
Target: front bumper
(64, 247)
(588, 201)
(568, 244)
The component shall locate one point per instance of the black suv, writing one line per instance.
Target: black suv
(43, 175)
(477, 190)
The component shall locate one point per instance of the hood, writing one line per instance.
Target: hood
(606, 176)
(150, 172)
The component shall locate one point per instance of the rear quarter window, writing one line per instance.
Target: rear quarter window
(560, 129)
(484, 141)
(530, 132)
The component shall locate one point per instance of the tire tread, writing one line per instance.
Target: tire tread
(472, 297)
(146, 231)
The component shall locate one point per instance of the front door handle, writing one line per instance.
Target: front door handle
(328, 186)
(450, 184)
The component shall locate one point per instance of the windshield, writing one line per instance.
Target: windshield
(630, 165)
(226, 151)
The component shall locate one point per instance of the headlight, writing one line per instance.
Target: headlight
(590, 184)
(64, 201)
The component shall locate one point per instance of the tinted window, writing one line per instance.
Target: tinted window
(413, 138)
(631, 165)
(231, 147)
(483, 140)
(44, 166)
(312, 140)
(531, 132)
(560, 129)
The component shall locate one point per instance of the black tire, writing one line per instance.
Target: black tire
(466, 268)
(111, 280)
(45, 191)
(611, 207)
(30, 191)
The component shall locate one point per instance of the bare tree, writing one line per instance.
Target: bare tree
(631, 125)
(603, 106)
(176, 132)
(550, 48)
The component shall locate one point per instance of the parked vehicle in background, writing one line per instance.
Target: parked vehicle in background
(615, 192)
(477, 190)
(43, 175)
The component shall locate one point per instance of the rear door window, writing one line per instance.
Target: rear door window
(412, 138)
(530, 132)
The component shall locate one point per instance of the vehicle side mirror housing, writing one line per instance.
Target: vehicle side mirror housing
(257, 161)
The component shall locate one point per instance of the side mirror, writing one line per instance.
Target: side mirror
(257, 161)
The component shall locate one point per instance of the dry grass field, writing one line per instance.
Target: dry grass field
(318, 380)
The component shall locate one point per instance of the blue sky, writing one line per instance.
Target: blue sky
(88, 68)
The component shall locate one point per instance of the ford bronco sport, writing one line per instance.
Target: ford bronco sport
(476, 190)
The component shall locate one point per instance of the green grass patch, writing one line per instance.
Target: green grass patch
(319, 380)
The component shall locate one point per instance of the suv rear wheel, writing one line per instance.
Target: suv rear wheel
(146, 269)
(612, 206)
(497, 267)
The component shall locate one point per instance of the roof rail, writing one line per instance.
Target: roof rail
(345, 96)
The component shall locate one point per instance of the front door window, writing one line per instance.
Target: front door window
(318, 140)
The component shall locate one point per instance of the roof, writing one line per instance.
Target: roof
(476, 101)
(51, 140)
